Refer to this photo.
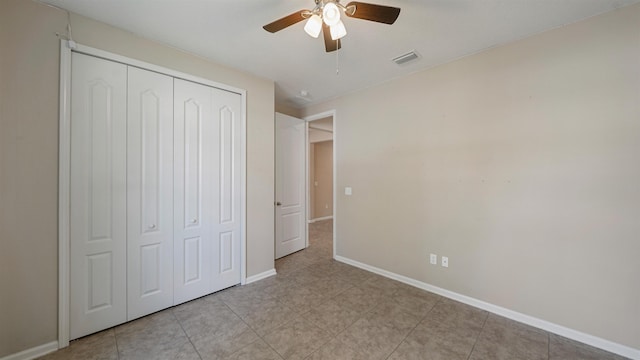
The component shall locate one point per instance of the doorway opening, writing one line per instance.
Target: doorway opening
(320, 160)
(305, 184)
(321, 179)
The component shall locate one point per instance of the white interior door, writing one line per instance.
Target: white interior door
(290, 185)
(150, 192)
(97, 195)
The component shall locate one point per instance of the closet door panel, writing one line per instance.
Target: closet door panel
(192, 194)
(97, 195)
(150, 190)
(226, 225)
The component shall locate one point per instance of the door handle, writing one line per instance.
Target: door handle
(278, 203)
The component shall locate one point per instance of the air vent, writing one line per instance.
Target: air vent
(405, 58)
(304, 96)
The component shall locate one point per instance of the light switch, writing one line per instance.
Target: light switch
(347, 190)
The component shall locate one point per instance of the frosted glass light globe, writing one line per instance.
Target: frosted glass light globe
(313, 26)
(338, 31)
(330, 13)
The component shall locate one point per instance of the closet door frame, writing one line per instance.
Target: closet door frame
(64, 166)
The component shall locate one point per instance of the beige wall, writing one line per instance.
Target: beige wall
(28, 174)
(521, 164)
(323, 175)
(312, 176)
(29, 72)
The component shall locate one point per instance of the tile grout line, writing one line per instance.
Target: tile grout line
(250, 328)
(254, 330)
(185, 333)
(360, 316)
(410, 331)
(478, 337)
(115, 339)
(329, 338)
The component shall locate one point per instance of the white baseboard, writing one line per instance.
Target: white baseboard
(510, 314)
(260, 276)
(330, 217)
(34, 352)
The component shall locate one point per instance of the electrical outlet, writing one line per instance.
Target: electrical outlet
(445, 261)
(433, 259)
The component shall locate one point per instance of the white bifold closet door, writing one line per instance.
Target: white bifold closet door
(155, 184)
(98, 216)
(207, 197)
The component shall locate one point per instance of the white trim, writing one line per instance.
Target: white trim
(321, 115)
(334, 116)
(321, 219)
(65, 166)
(64, 158)
(243, 191)
(510, 314)
(335, 182)
(307, 171)
(34, 352)
(262, 275)
(307, 179)
(87, 50)
(323, 130)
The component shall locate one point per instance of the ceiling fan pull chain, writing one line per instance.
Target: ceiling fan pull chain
(337, 62)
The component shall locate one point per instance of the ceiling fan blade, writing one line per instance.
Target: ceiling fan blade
(379, 13)
(329, 44)
(287, 21)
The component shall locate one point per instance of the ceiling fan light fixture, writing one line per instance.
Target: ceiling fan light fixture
(330, 13)
(313, 26)
(325, 18)
(338, 31)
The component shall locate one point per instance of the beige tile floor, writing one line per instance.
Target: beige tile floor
(317, 308)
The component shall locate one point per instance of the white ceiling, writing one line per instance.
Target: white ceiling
(230, 32)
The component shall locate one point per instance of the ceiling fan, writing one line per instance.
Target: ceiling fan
(325, 17)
